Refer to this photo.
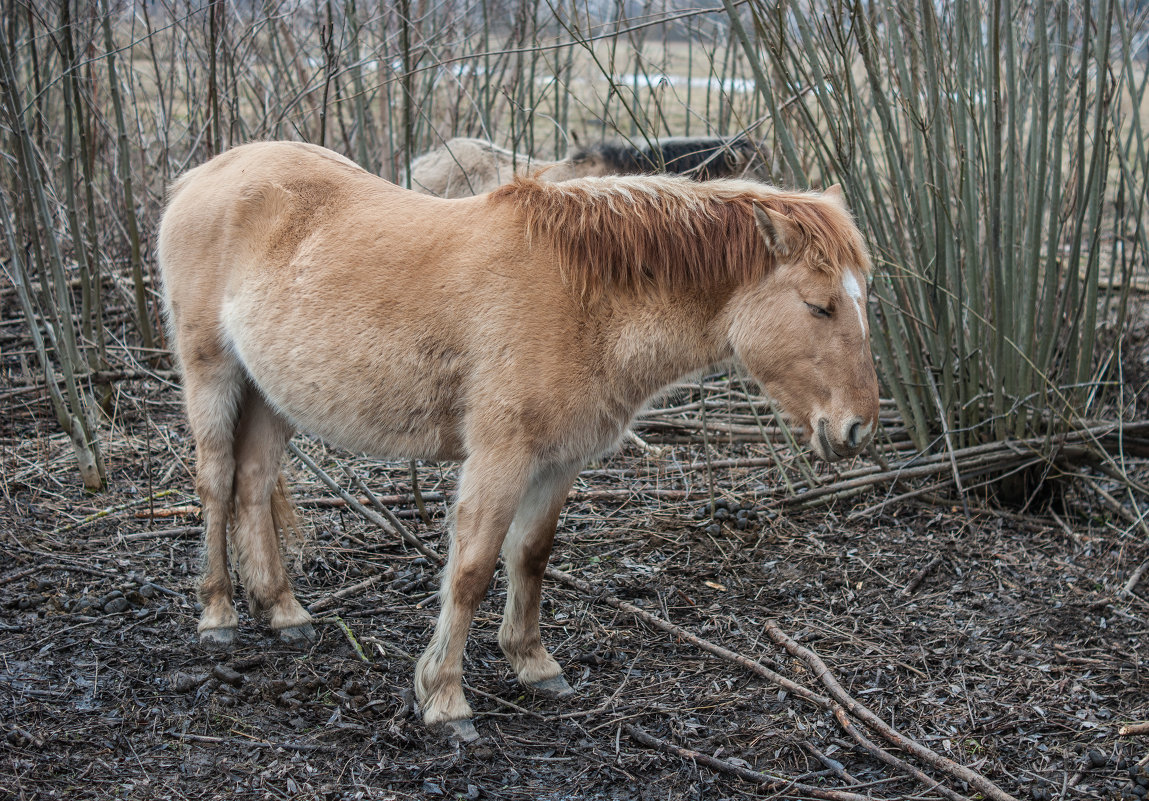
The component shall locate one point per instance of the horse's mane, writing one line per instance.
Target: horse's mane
(700, 156)
(644, 233)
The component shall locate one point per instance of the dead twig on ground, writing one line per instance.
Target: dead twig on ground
(1115, 505)
(111, 510)
(21, 574)
(754, 667)
(362, 510)
(920, 576)
(832, 765)
(407, 536)
(881, 754)
(682, 634)
(244, 741)
(186, 510)
(774, 783)
(350, 635)
(176, 531)
(1135, 578)
(822, 673)
(323, 603)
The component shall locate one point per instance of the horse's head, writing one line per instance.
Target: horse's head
(591, 162)
(802, 331)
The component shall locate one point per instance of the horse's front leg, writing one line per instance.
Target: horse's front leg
(490, 489)
(526, 551)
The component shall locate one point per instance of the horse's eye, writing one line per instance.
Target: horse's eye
(817, 311)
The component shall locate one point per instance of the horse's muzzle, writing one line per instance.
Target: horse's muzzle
(852, 437)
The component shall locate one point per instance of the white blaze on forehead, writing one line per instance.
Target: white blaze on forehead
(854, 290)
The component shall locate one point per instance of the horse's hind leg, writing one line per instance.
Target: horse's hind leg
(260, 439)
(526, 551)
(213, 383)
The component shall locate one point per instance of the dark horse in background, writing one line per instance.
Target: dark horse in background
(463, 167)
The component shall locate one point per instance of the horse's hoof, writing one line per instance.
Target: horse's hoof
(462, 730)
(217, 639)
(555, 687)
(297, 635)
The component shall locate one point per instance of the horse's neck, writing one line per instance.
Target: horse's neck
(653, 342)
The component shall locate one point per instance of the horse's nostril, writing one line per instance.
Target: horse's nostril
(854, 435)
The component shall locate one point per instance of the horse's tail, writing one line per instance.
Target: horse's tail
(283, 514)
(284, 517)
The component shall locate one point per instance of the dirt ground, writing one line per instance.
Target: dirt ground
(1017, 653)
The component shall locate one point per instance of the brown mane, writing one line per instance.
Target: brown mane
(667, 232)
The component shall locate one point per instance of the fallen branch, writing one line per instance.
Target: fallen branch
(643, 445)
(169, 511)
(327, 502)
(407, 536)
(879, 753)
(932, 758)
(21, 574)
(1115, 505)
(243, 741)
(91, 571)
(777, 784)
(1134, 728)
(351, 639)
(177, 531)
(970, 462)
(111, 510)
(905, 496)
(920, 576)
(758, 669)
(832, 765)
(323, 603)
(682, 634)
(362, 510)
(1135, 578)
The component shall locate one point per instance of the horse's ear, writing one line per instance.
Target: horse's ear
(779, 231)
(834, 190)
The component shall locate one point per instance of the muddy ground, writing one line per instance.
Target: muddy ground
(1017, 654)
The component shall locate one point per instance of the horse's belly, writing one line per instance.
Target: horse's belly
(373, 394)
(375, 437)
(368, 417)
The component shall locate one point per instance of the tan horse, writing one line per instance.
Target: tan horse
(519, 332)
(464, 167)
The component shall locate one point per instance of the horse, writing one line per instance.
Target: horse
(518, 332)
(462, 167)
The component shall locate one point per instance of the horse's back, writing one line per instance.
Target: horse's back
(257, 206)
